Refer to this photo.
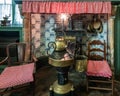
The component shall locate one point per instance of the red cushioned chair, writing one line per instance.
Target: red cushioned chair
(99, 72)
(19, 73)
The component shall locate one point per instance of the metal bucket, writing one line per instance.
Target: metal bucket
(81, 65)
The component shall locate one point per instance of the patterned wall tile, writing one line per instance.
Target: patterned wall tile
(35, 32)
(50, 34)
(43, 32)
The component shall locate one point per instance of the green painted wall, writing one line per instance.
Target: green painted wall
(117, 43)
(114, 0)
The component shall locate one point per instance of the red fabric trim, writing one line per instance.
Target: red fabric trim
(66, 7)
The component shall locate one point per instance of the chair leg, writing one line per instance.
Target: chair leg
(3, 92)
(87, 83)
(33, 88)
(112, 86)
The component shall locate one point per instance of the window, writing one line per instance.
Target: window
(9, 8)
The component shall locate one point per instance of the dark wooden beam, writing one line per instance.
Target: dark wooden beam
(115, 2)
(18, 1)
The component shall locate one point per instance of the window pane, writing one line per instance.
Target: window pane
(8, 1)
(6, 11)
(5, 1)
(1, 1)
(18, 18)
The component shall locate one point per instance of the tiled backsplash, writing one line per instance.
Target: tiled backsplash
(43, 31)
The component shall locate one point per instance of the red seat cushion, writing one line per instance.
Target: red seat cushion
(16, 75)
(98, 68)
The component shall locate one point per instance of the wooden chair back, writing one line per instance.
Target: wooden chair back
(99, 81)
(16, 53)
(97, 50)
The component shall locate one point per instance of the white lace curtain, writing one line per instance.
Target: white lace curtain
(17, 16)
(7, 8)
(6, 11)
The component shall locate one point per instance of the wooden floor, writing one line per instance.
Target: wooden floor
(47, 75)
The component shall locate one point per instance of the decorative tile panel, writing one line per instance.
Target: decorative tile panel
(36, 33)
(50, 34)
(42, 30)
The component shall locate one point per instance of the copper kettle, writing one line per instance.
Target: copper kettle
(59, 44)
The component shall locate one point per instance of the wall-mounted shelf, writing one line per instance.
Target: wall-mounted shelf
(72, 32)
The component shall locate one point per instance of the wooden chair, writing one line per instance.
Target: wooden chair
(99, 73)
(19, 73)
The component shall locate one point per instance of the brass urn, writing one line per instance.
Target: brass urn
(62, 86)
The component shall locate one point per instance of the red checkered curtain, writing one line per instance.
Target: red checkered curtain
(66, 7)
